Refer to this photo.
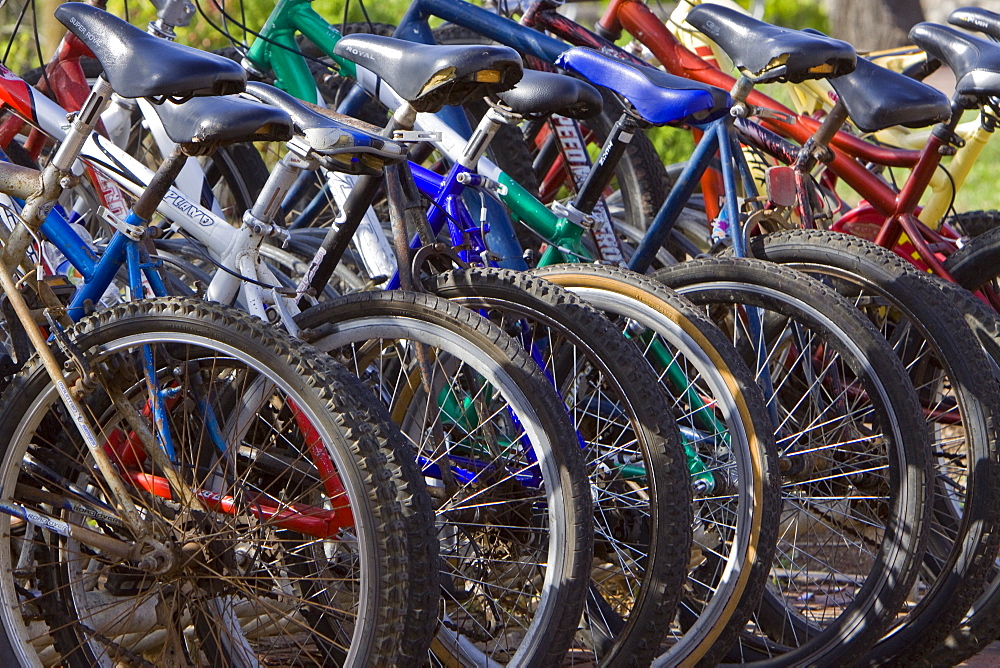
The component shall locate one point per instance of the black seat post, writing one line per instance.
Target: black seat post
(603, 170)
(362, 196)
(153, 194)
(817, 146)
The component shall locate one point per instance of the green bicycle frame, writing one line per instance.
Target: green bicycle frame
(278, 52)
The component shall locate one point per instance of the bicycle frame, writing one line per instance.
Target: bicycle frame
(65, 74)
(277, 52)
(125, 250)
(850, 154)
(564, 237)
(232, 247)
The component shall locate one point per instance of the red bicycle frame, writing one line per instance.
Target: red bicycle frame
(65, 75)
(892, 211)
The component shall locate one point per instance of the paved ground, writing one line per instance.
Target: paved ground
(988, 657)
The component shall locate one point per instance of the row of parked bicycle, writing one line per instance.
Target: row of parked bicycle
(418, 382)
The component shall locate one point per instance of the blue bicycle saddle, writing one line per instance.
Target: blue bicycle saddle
(656, 96)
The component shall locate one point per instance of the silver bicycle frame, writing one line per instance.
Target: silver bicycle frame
(235, 248)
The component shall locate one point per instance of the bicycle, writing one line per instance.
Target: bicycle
(860, 326)
(973, 421)
(819, 254)
(758, 491)
(135, 508)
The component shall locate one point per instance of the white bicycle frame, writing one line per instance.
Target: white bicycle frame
(235, 248)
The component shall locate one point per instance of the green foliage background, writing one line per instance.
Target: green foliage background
(20, 53)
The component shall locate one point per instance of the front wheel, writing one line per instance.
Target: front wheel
(924, 319)
(726, 430)
(514, 520)
(853, 451)
(279, 533)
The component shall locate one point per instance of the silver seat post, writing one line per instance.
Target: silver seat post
(170, 14)
(57, 175)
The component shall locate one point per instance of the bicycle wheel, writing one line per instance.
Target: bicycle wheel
(974, 265)
(721, 413)
(505, 469)
(642, 499)
(854, 457)
(945, 363)
(283, 537)
(974, 223)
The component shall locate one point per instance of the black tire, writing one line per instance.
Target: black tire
(644, 524)
(927, 329)
(974, 223)
(374, 333)
(867, 478)
(273, 400)
(975, 264)
(736, 520)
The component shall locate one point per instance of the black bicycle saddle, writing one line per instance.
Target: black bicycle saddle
(975, 61)
(137, 64)
(544, 93)
(877, 98)
(225, 120)
(978, 19)
(767, 53)
(431, 76)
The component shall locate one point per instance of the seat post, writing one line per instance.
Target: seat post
(339, 236)
(57, 175)
(483, 136)
(741, 89)
(82, 124)
(604, 169)
(164, 177)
